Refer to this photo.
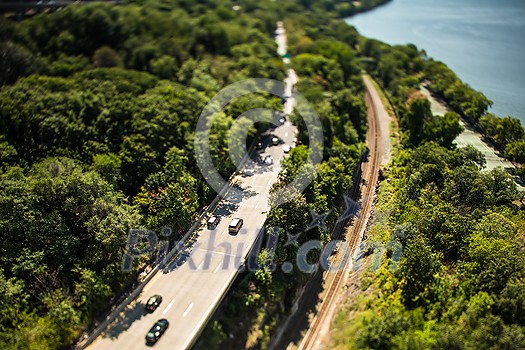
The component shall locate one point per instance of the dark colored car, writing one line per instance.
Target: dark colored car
(213, 222)
(157, 331)
(153, 302)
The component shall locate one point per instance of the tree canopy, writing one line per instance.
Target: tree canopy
(98, 108)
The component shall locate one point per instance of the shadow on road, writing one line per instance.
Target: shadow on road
(228, 206)
(226, 209)
(125, 319)
(236, 197)
(181, 258)
(307, 307)
(257, 166)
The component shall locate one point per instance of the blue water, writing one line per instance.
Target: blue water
(482, 41)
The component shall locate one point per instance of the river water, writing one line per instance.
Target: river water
(482, 41)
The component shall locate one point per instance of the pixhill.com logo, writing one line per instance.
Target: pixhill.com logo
(146, 243)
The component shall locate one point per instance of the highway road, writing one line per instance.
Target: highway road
(193, 285)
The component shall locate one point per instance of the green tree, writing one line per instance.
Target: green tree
(502, 130)
(444, 130)
(327, 71)
(165, 67)
(17, 61)
(90, 291)
(418, 115)
(515, 151)
(419, 266)
(108, 166)
(138, 161)
(105, 56)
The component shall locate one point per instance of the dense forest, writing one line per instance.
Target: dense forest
(445, 265)
(97, 117)
(98, 108)
(459, 283)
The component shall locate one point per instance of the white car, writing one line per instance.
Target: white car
(286, 148)
(268, 160)
(275, 141)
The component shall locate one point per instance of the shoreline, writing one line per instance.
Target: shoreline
(469, 136)
(420, 29)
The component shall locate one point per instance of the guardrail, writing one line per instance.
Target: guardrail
(172, 254)
(260, 237)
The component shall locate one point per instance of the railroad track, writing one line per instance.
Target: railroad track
(370, 174)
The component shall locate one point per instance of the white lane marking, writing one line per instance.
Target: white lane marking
(286, 134)
(200, 265)
(168, 307)
(269, 182)
(187, 310)
(218, 252)
(253, 181)
(217, 268)
(257, 205)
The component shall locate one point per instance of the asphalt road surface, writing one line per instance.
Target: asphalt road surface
(193, 284)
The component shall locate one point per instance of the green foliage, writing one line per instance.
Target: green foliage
(293, 163)
(418, 268)
(108, 166)
(515, 151)
(502, 130)
(459, 282)
(351, 111)
(56, 219)
(422, 126)
(338, 51)
(165, 67)
(324, 70)
(173, 206)
(64, 66)
(461, 97)
(99, 104)
(105, 56)
(17, 61)
(7, 153)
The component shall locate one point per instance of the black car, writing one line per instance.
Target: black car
(153, 302)
(213, 222)
(157, 331)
